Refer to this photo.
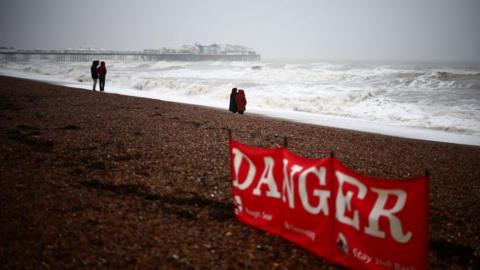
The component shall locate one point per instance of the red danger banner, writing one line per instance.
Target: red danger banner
(346, 218)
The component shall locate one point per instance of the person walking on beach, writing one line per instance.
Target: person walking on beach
(233, 101)
(102, 72)
(93, 70)
(241, 101)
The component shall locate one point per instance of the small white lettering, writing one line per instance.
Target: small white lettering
(362, 256)
(252, 213)
(267, 216)
(305, 232)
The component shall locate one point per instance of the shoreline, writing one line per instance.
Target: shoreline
(295, 116)
(101, 180)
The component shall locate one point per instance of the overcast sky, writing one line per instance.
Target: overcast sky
(421, 30)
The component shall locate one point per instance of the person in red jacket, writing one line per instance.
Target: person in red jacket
(102, 72)
(241, 101)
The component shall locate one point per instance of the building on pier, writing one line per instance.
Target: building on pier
(197, 52)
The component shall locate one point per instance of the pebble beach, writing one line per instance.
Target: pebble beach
(92, 180)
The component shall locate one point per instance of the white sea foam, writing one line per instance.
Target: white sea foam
(418, 101)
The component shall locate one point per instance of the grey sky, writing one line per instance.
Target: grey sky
(423, 30)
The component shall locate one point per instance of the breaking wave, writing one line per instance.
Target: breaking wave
(435, 97)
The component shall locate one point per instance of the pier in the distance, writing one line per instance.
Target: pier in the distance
(197, 52)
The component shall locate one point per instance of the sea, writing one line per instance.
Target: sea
(438, 102)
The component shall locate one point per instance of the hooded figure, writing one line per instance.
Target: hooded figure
(241, 101)
(102, 72)
(233, 101)
(93, 70)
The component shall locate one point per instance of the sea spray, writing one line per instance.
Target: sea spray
(437, 97)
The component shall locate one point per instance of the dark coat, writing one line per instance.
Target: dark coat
(94, 71)
(241, 101)
(233, 102)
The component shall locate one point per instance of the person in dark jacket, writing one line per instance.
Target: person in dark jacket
(233, 101)
(102, 72)
(241, 101)
(93, 70)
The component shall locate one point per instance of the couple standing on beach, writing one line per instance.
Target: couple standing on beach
(238, 102)
(98, 73)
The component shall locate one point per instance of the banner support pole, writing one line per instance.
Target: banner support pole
(285, 142)
(229, 134)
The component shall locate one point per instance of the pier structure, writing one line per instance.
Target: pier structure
(125, 56)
